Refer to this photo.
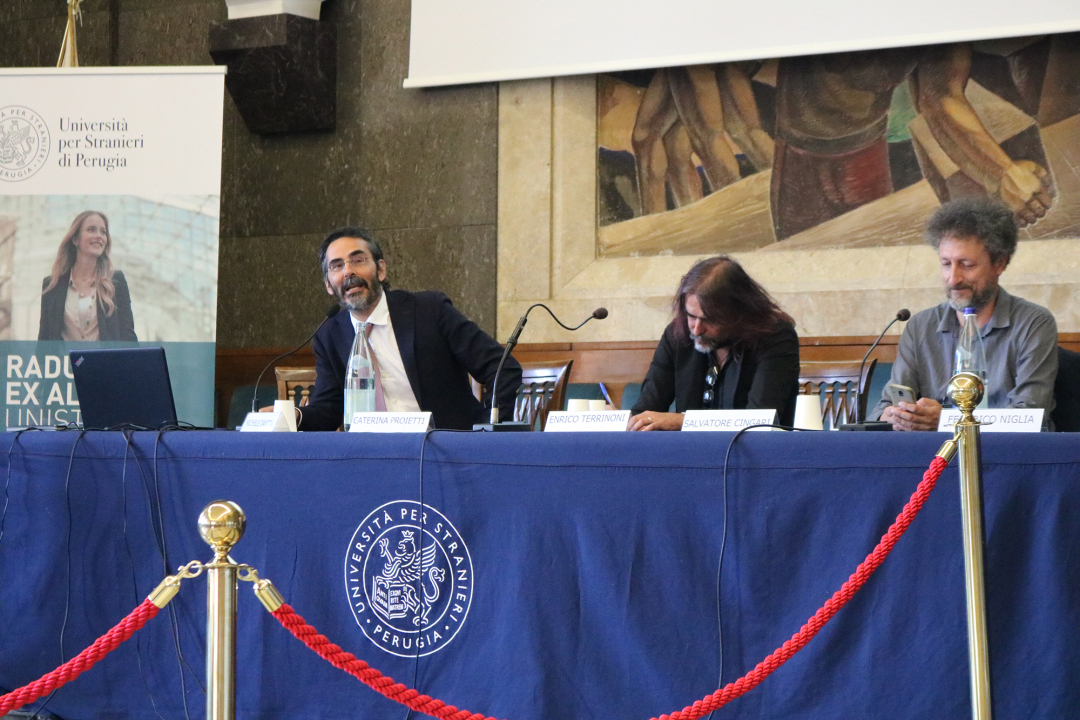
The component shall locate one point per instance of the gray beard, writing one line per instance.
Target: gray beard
(977, 301)
(361, 304)
(701, 346)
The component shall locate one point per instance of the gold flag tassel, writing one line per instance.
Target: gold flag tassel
(69, 51)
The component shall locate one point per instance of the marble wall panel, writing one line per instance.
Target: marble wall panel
(524, 203)
(172, 34)
(270, 290)
(430, 156)
(457, 260)
(300, 183)
(30, 36)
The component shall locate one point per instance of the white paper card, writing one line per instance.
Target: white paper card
(725, 420)
(997, 420)
(391, 422)
(588, 421)
(265, 422)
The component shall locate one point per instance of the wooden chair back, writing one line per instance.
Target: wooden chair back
(543, 389)
(295, 383)
(842, 390)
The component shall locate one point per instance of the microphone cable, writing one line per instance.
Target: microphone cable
(420, 545)
(128, 449)
(7, 483)
(723, 541)
(181, 661)
(330, 313)
(67, 573)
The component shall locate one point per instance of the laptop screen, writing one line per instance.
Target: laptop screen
(120, 387)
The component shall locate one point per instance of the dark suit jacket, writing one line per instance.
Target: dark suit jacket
(439, 347)
(764, 376)
(118, 326)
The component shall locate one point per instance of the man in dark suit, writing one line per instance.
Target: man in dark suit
(425, 348)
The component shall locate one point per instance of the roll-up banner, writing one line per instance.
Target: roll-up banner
(110, 184)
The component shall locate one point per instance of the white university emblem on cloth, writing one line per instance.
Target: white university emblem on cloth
(24, 143)
(408, 578)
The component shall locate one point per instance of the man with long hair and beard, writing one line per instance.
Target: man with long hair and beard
(730, 346)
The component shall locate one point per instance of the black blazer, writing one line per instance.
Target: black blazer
(118, 326)
(764, 376)
(439, 347)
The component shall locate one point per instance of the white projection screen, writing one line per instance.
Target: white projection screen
(468, 41)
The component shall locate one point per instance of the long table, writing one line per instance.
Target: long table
(579, 572)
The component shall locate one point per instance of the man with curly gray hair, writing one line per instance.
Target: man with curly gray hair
(975, 238)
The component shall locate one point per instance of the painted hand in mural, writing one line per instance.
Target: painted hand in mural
(1025, 188)
(708, 110)
(940, 82)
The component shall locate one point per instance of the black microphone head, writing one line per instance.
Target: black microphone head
(903, 315)
(599, 313)
(332, 311)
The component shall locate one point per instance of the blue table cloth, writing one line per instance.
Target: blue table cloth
(579, 572)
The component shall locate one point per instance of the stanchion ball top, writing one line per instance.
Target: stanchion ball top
(966, 390)
(222, 523)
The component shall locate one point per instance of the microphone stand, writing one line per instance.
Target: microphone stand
(864, 425)
(255, 394)
(512, 426)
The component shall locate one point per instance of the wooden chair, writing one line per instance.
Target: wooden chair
(543, 389)
(842, 391)
(295, 383)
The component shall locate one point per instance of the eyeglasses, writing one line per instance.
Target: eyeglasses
(336, 265)
(710, 380)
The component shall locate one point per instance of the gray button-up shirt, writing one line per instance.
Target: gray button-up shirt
(1021, 352)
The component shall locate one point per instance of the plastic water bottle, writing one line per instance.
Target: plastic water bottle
(359, 379)
(971, 353)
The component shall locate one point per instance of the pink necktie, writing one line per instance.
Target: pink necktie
(380, 399)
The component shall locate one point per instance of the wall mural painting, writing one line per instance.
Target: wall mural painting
(837, 151)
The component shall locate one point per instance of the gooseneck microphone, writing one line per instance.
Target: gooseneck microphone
(331, 312)
(598, 313)
(860, 410)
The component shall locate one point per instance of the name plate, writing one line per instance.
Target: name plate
(587, 421)
(997, 420)
(391, 422)
(265, 422)
(725, 420)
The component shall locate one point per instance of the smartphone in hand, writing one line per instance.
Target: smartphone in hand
(902, 393)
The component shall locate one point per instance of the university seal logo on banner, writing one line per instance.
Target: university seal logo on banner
(409, 578)
(24, 143)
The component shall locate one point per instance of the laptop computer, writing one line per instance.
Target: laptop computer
(123, 387)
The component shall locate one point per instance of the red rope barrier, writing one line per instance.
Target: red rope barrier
(365, 673)
(825, 613)
(439, 709)
(81, 662)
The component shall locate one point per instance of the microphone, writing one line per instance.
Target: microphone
(599, 313)
(860, 409)
(331, 312)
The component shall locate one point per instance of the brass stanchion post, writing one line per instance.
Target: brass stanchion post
(221, 525)
(966, 390)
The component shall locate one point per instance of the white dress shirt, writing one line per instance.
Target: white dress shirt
(397, 391)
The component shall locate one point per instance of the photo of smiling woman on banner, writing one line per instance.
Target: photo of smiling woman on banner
(84, 298)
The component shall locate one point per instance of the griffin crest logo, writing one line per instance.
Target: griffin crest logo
(408, 578)
(24, 143)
